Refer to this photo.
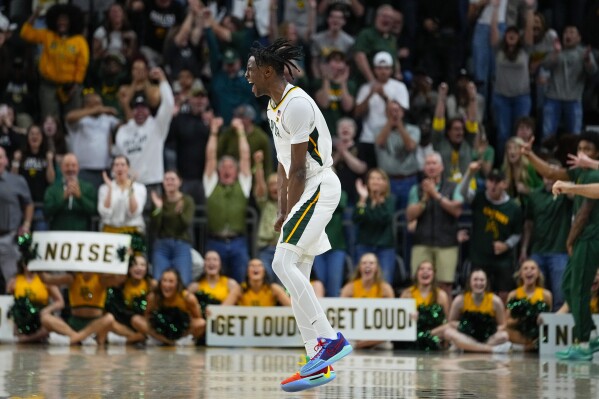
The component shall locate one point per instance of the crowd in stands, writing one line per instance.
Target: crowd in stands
(138, 114)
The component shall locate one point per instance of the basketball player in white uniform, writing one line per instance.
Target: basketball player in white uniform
(309, 192)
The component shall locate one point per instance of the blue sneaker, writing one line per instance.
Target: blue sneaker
(331, 350)
(575, 352)
(297, 383)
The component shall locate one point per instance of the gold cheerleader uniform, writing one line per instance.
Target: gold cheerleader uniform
(35, 290)
(29, 298)
(376, 291)
(128, 300)
(526, 310)
(219, 292)
(85, 294)
(430, 315)
(264, 297)
(478, 321)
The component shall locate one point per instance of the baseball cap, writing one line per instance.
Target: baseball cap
(5, 24)
(230, 56)
(117, 56)
(382, 59)
(496, 175)
(139, 100)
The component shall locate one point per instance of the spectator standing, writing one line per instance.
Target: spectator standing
(258, 140)
(153, 19)
(90, 129)
(456, 144)
(227, 185)
(140, 85)
(335, 93)
(115, 34)
(346, 158)
(520, 174)
(182, 49)
(36, 164)
(496, 229)
(395, 148)
(458, 102)
(142, 138)
(440, 39)
(188, 136)
(64, 59)
(171, 220)
(435, 205)
(122, 200)
(16, 214)
(511, 91)
(373, 40)
(70, 204)
(569, 68)
(483, 57)
(373, 216)
(10, 139)
(333, 39)
(371, 103)
(227, 77)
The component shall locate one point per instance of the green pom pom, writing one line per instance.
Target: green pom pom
(206, 299)
(479, 326)
(429, 317)
(170, 322)
(26, 315)
(527, 314)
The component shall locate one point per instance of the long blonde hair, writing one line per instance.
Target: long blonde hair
(378, 274)
(508, 168)
(540, 280)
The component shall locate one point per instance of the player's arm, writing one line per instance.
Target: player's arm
(543, 168)
(282, 184)
(585, 190)
(297, 174)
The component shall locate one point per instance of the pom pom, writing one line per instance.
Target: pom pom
(205, 299)
(26, 316)
(527, 314)
(479, 326)
(28, 250)
(171, 323)
(429, 317)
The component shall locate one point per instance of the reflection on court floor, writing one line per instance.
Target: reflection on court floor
(187, 372)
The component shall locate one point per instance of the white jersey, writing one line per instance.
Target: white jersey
(297, 119)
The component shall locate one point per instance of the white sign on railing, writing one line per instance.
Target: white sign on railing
(80, 252)
(358, 319)
(6, 325)
(556, 332)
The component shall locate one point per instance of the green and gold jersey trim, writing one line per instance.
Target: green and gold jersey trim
(313, 147)
(293, 230)
(270, 103)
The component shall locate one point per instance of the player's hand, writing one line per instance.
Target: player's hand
(279, 222)
(561, 187)
(581, 160)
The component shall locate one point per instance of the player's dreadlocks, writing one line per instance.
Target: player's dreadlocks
(280, 55)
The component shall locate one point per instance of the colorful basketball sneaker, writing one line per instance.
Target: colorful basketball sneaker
(331, 350)
(298, 383)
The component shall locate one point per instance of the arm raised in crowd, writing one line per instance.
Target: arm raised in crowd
(543, 168)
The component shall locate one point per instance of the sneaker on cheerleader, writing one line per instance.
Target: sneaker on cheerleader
(297, 383)
(330, 351)
(594, 344)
